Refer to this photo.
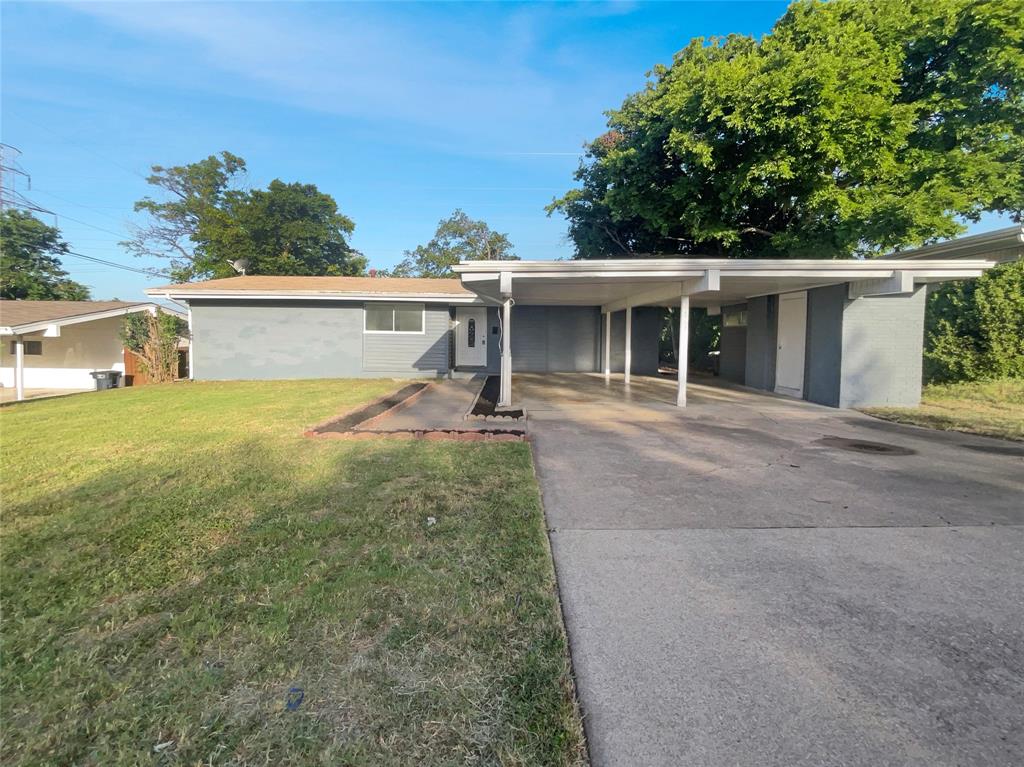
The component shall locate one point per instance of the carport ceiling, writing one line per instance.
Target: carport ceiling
(707, 281)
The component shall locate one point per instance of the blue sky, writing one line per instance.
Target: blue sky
(402, 112)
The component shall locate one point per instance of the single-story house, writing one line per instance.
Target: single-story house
(56, 345)
(837, 332)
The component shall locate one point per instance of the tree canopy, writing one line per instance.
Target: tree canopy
(458, 238)
(209, 220)
(30, 266)
(852, 128)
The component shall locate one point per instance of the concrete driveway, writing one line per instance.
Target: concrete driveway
(738, 593)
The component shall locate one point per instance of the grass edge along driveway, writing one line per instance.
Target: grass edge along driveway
(988, 408)
(186, 579)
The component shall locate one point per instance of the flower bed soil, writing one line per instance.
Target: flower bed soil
(348, 421)
(486, 404)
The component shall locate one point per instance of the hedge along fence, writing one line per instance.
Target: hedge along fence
(974, 330)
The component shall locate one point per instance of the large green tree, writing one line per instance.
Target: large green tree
(458, 238)
(30, 266)
(852, 128)
(208, 219)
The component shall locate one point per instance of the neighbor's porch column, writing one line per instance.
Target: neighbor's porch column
(629, 341)
(19, 368)
(684, 349)
(607, 344)
(505, 391)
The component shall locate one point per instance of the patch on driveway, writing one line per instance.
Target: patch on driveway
(737, 594)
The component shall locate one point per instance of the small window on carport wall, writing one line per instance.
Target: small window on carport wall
(734, 318)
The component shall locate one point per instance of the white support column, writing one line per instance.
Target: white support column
(19, 368)
(627, 368)
(505, 391)
(607, 344)
(684, 349)
(191, 347)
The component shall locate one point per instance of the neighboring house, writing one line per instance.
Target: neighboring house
(55, 345)
(843, 333)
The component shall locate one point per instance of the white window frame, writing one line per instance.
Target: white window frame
(381, 304)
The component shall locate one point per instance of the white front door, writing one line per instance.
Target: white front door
(789, 360)
(471, 336)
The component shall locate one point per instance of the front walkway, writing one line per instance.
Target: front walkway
(738, 593)
(8, 393)
(442, 406)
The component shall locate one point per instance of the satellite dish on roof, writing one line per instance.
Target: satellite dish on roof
(240, 265)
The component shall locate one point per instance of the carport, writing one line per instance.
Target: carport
(842, 333)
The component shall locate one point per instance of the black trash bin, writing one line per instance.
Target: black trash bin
(106, 379)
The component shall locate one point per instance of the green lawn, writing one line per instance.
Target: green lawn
(992, 408)
(176, 559)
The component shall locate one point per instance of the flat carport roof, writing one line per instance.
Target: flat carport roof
(613, 285)
(618, 285)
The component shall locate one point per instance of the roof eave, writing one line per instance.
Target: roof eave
(310, 295)
(1000, 244)
(77, 319)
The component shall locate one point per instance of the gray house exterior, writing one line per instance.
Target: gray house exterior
(270, 328)
(838, 333)
(858, 351)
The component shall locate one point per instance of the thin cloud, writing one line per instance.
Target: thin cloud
(346, 61)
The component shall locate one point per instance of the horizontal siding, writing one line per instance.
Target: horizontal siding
(647, 322)
(555, 338)
(401, 353)
(529, 339)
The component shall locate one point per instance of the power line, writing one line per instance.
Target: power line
(66, 140)
(115, 265)
(107, 263)
(11, 197)
(78, 205)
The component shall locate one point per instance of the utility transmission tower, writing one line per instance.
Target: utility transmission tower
(11, 174)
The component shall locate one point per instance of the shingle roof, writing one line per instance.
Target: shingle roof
(14, 313)
(360, 285)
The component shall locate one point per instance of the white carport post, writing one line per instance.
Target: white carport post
(505, 389)
(629, 341)
(607, 344)
(684, 349)
(19, 368)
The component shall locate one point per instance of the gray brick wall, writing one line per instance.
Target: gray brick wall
(308, 339)
(883, 339)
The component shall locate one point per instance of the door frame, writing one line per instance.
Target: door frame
(796, 310)
(462, 316)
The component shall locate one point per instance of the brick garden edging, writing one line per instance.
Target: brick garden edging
(358, 429)
(451, 435)
(319, 429)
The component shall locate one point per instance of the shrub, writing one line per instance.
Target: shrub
(974, 330)
(153, 338)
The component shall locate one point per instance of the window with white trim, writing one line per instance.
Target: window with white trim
(393, 318)
(31, 347)
(735, 318)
